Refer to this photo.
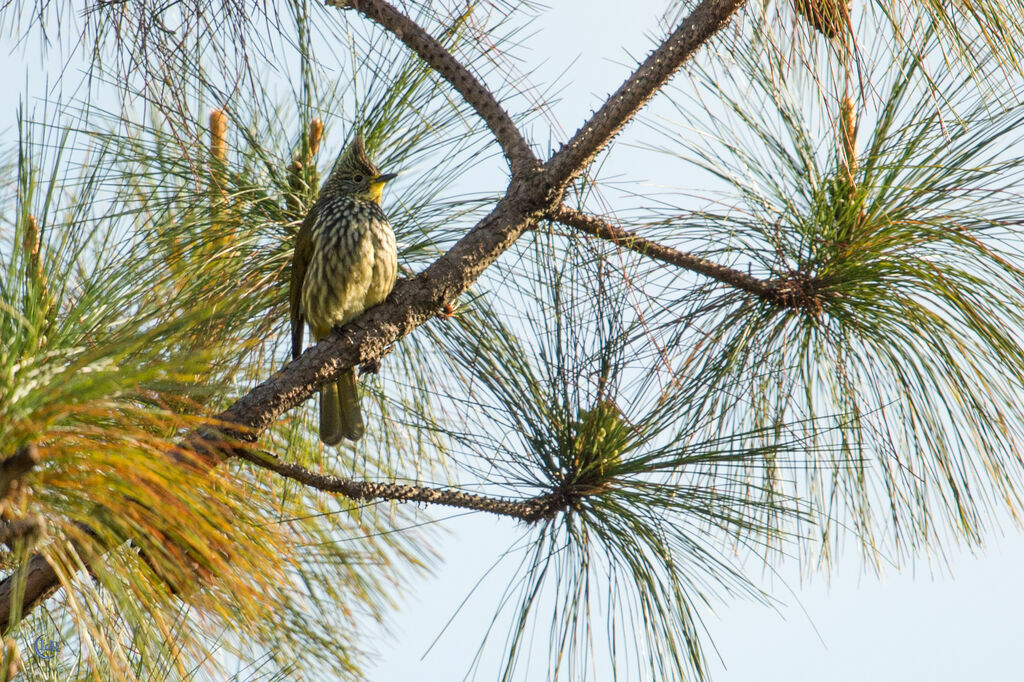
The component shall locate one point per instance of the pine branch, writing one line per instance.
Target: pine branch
(531, 509)
(30, 585)
(16, 466)
(477, 95)
(598, 227)
(705, 21)
(20, 529)
(416, 300)
(532, 193)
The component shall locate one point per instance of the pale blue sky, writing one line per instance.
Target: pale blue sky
(942, 626)
(909, 625)
(923, 624)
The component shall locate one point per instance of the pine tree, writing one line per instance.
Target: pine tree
(809, 336)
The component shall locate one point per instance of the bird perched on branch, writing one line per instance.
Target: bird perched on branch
(345, 262)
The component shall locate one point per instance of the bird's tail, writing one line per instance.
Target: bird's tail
(340, 416)
(348, 401)
(330, 415)
(351, 417)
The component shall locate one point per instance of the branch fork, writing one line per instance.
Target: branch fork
(535, 192)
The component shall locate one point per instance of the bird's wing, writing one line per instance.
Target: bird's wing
(303, 248)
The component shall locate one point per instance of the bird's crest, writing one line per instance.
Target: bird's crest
(354, 159)
(353, 174)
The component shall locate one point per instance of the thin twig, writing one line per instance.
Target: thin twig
(599, 227)
(518, 153)
(530, 509)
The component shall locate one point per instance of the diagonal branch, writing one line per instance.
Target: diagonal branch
(20, 529)
(412, 302)
(530, 196)
(707, 18)
(530, 509)
(516, 150)
(16, 466)
(38, 580)
(598, 227)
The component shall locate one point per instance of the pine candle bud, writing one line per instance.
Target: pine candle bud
(848, 135)
(32, 245)
(828, 17)
(218, 135)
(316, 133)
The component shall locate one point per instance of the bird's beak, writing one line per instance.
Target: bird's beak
(377, 185)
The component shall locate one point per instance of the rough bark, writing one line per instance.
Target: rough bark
(534, 191)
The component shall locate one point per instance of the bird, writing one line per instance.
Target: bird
(345, 261)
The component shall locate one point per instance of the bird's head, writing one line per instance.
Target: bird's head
(355, 175)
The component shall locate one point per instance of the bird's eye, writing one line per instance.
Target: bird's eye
(358, 178)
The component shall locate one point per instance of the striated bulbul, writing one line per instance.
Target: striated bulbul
(345, 262)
